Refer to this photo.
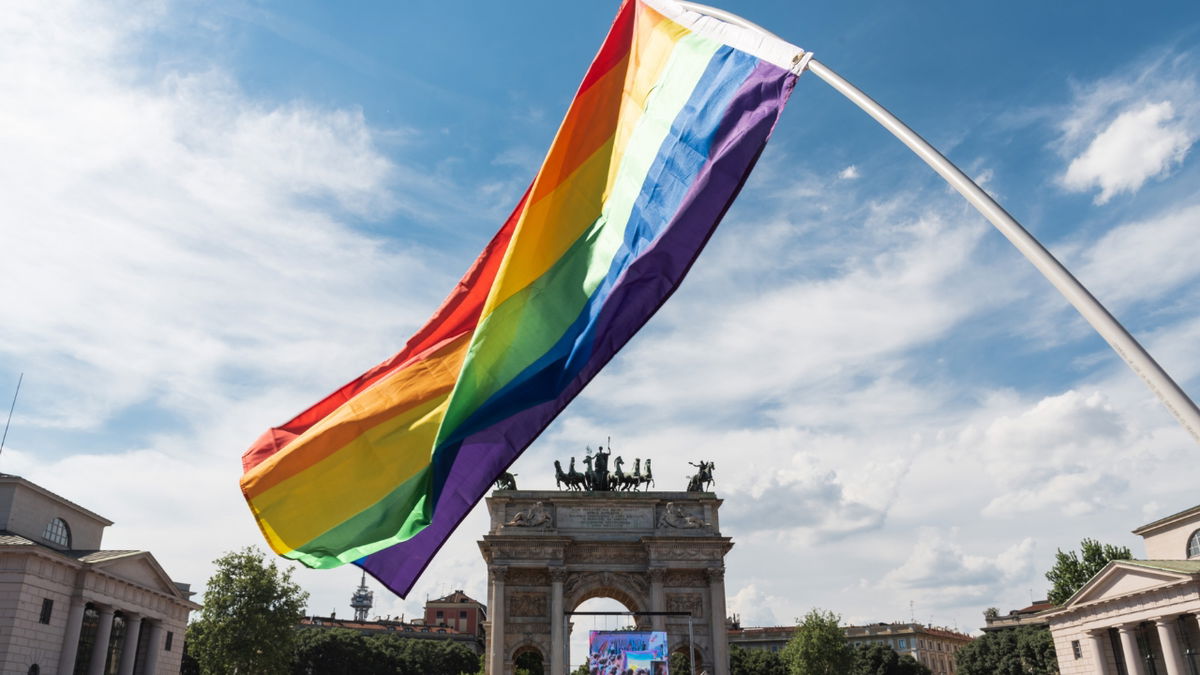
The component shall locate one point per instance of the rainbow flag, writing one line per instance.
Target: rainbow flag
(670, 118)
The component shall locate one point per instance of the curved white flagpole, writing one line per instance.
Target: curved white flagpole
(1105, 324)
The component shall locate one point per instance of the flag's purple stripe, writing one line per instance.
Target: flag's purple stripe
(641, 291)
(681, 156)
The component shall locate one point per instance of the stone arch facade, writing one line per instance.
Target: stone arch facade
(548, 552)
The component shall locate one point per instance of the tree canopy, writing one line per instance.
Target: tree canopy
(248, 622)
(1028, 650)
(1071, 570)
(818, 646)
(879, 659)
(339, 651)
(755, 662)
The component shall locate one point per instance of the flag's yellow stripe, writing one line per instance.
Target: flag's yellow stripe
(543, 237)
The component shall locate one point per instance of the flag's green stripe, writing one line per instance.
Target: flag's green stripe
(399, 516)
(522, 328)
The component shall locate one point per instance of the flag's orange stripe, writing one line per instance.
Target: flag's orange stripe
(401, 391)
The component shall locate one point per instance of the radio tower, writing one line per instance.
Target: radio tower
(360, 602)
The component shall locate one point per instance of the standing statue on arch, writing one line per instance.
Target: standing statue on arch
(703, 478)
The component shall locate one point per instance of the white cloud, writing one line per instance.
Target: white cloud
(1067, 452)
(1139, 144)
(1142, 260)
(760, 341)
(940, 571)
(1121, 131)
(849, 173)
(175, 230)
(756, 607)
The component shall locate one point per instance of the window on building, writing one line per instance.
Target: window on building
(170, 639)
(1193, 550)
(462, 613)
(1076, 649)
(903, 644)
(439, 614)
(57, 532)
(47, 609)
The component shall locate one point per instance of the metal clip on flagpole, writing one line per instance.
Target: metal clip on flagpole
(1172, 396)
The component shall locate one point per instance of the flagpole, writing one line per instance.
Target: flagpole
(1128, 348)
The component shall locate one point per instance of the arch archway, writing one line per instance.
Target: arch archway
(581, 624)
(649, 551)
(528, 660)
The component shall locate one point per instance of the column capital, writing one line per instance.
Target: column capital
(104, 610)
(657, 574)
(715, 574)
(498, 572)
(558, 574)
(1165, 620)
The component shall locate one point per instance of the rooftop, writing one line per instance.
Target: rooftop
(1141, 531)
(457, 597)
(1184, 566)
(381, 626)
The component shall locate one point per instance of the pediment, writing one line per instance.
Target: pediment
(1118, 580)
(141, 569)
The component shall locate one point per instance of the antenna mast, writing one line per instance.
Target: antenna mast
(10, 411)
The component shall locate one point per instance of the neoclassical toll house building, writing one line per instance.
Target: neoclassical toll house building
(1138, 617)
(67, 606)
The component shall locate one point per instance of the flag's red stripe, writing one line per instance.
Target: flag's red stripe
(458, 313)
(615, 48)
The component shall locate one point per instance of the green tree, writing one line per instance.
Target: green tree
(755, 662)
(248, 623)
(528, 663)
(335, 651)
(876, 658)
(1071, 571)
(1028, 650)
(818, 646)
(680, 663)
(406, 656)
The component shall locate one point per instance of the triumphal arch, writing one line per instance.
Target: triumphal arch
(549, 551)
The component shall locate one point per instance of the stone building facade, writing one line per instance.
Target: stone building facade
(1138, 617)
(931, 646)
(458, 611)
(547, 552)
(407, 630)
(71, 608)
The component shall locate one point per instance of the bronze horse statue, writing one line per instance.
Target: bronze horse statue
(572, 478)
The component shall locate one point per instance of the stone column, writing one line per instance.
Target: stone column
(658, 598)
(133, 626)
(1129, 645)
(100, 646)
(153, 647)
(720, 635)
(558, 641)
(496, 625)
(70, 647)
(1172, 656)
(1095, 649)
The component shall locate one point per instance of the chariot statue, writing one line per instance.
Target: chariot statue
(598, 478)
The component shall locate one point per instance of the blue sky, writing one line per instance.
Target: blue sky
(214, 213)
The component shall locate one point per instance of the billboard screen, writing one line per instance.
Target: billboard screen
(622, 651)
